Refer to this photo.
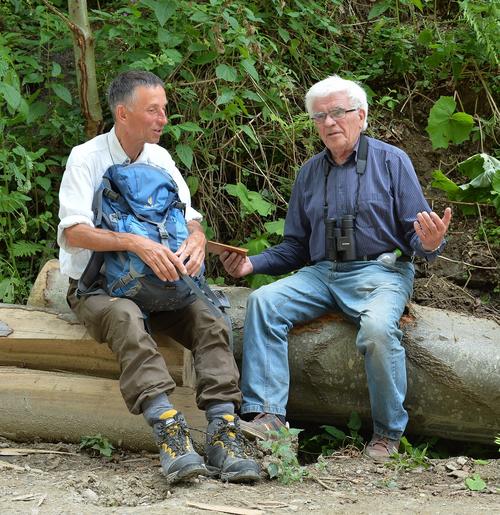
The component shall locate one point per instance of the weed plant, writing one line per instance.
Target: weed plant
(235, 74)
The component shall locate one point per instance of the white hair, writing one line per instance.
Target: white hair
(335, 84)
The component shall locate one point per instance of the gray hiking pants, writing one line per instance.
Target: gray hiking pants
(144, 373)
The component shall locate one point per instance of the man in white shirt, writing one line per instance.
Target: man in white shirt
(138, 102)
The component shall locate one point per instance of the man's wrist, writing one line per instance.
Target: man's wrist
(433, 250)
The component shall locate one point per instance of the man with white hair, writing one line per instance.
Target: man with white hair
(352, 202)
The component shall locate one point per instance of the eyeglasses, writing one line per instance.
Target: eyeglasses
(335, 114)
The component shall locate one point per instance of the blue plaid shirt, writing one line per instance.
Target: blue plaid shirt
(390, 197)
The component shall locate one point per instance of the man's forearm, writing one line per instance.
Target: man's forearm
(101, 240)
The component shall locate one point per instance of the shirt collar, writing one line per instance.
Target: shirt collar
(118, 155)
(353, 156)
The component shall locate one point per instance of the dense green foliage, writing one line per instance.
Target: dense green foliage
(236, 73)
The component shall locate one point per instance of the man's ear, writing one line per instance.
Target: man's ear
(121, 113)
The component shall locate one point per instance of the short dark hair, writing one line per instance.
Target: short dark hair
(121, 89)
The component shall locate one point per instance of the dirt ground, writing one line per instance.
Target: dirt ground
(132, 483)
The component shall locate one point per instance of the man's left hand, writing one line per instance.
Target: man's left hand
(430, 228)
(193, 247)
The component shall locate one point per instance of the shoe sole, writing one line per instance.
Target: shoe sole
(186, 473)
(250, 431)
(241, 476)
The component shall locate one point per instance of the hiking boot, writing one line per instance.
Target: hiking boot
(381, 448)
(224, 452)
(179, 460)
(260, 426)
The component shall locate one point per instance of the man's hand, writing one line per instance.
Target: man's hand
(431, 229)
(165, 264)
(193, 248)
(235, 264)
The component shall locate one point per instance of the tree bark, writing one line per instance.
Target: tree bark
(453, 364)
(83, 46)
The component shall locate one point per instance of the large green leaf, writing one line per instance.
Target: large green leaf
(444, 125)
(185, 154)
(249, 66)
(441, 182)
(62, 92)
(480, 165)
(252, 201)
(10, 94)
(225, 72)
(276, 227)
(163, 10)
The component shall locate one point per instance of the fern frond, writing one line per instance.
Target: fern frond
(484, 18)
(13, 201)
(23, 248)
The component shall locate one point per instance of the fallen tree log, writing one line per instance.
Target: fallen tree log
(55, 406)
(453, 367)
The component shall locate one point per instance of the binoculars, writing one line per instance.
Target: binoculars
(340, 244)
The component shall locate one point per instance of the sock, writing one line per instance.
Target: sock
(217, 409)
(152, 409)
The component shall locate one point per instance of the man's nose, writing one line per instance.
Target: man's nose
(330, 120)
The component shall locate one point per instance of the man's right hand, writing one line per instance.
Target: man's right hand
(162, 261)
(235, 264)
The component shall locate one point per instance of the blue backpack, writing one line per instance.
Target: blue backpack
(142, 199)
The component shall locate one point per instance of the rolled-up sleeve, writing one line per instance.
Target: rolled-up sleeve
(75, 203)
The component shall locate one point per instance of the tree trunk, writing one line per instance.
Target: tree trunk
(83, 44)
(83, 47)
(453, 364)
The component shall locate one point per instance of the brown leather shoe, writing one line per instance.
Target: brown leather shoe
(381, 448)
(260, 426)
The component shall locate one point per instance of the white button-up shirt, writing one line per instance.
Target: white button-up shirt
(86, 165)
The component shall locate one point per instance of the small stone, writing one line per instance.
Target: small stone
(461, 460)
(90, 495)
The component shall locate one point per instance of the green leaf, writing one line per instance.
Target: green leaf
(185, 154)
(205, 58)
(225, 97)
(284, 35)
(193, 184)
(56, 70)
(276, 227)
(248, 66)
(168, 38)
(10, 94)
(249, 132)
(444, 125)
(252, 201)
(425, 37)
(163, 10)
(336, 433)
(273, 470)
(354, 422)
(480, 164)
(190, 127)
(44, 182)
(200, 17)
(378, 9)
(441, 182)
(62, 92)
(418, 4)
(22, 248)
(227, 73)
(475, 483)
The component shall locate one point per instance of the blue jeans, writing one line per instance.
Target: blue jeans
(371, 294)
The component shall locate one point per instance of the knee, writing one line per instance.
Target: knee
(121, 316)
(259, 301)
(377, 336)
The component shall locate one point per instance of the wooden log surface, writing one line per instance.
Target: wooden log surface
(57, 406)
(453, 364)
